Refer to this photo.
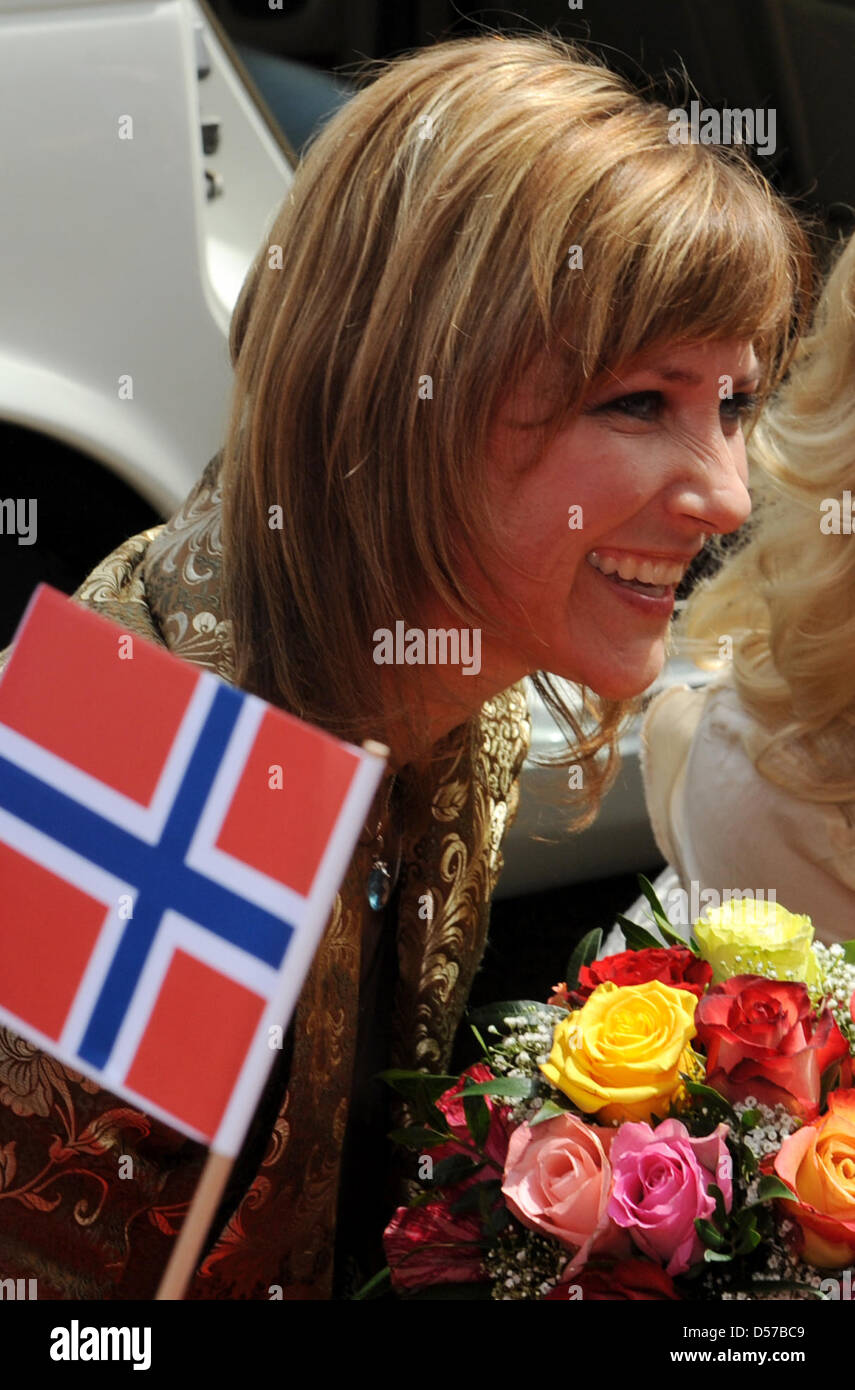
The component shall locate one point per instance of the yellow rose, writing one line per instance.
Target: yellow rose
(621, 1054)
(754, 937)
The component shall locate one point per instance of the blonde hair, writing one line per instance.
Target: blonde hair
(427, 233)
(787, 597)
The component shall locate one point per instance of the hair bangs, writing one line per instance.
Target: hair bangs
(682, 250)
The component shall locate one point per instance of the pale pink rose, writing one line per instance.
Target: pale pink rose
(557, 1180)
(661, 1179)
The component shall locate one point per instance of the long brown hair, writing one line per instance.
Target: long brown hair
(426, 235)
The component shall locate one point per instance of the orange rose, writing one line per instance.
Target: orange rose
(818, 1164)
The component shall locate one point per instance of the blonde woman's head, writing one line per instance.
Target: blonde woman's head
(786, 600)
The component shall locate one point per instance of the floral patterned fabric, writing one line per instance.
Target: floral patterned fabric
(92, 1192)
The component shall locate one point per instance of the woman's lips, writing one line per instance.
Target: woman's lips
(654, 601)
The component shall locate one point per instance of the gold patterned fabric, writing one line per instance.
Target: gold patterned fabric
(92, 1192)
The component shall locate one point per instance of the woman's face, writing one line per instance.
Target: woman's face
(654, 465)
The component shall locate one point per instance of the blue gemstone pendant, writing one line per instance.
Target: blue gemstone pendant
(379, 886)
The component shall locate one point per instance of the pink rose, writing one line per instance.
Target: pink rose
(557, 1180)
(661, 1182)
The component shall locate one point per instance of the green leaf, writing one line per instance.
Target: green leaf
(477, 1118)
(375, 1287)
(421, 1091)
(415, 1085)
(547, 1111)
(649, 892)
(480, 1041)
(417, 1137)
(660, 916)
(480, 1196)
(502, 1086)
(637, 938)
(720, 1209)
(770, 1188)
(487, 1195)
(499, 1220)
(848, 952)
(672, 937)
(750, 1118)
(746, 1219)
(708, 1234)
(749, 1241)
(584, 952)
(716, 1256)
(712, 1097)
(453, 1169)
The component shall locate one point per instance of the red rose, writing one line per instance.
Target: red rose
(673, 965)
(429, 1245)
(498, 1136)
(762, 1038)
(632, 1280)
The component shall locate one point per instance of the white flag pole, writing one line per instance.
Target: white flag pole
(182, 1262)
(215, 1174)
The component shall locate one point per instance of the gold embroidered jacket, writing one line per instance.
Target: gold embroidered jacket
(92, 1191)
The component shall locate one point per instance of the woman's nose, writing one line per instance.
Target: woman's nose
(714, 488)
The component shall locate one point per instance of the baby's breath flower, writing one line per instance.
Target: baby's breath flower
(524, 1265)
(834, 987)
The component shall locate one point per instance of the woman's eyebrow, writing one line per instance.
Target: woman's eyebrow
(690, 378)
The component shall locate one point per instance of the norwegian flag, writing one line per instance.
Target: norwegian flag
(170, 850)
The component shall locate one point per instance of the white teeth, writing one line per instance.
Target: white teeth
(605, 563)
(639, 567)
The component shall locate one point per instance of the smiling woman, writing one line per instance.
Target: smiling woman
(426, 387)
(655, 462)
(432, 222)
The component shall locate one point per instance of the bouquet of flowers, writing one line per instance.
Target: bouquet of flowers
(676, 1122)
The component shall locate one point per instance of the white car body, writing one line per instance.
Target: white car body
(539, 853)
(117, 272)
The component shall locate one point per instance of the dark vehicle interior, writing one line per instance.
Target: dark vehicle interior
(793, 55)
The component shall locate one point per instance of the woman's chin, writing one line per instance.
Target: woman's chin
(622, 690)
(624, 683)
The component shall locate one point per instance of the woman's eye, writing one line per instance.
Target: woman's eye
(640, 405)
(739, 408)
(649, 406)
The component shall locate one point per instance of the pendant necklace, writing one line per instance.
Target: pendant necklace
(381, 880)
